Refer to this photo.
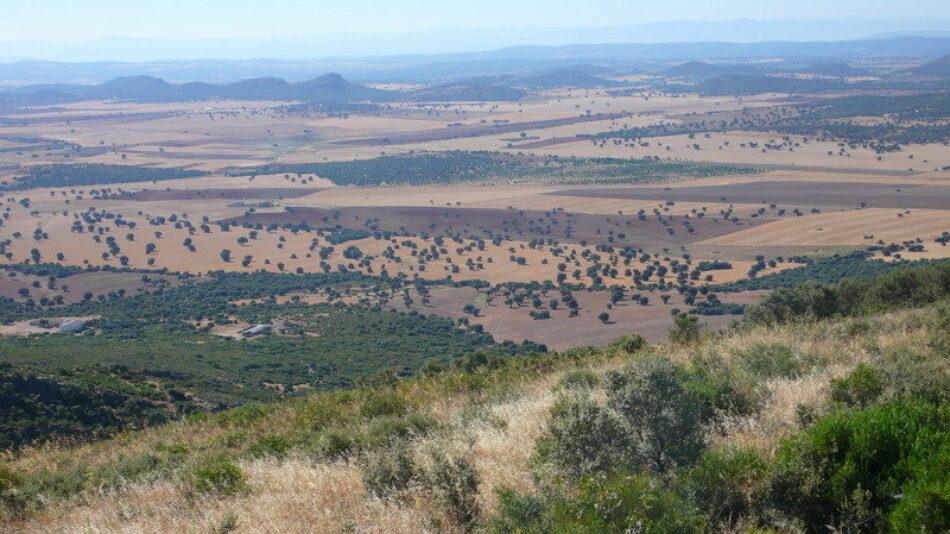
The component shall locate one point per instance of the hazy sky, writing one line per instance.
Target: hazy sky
(74, 20)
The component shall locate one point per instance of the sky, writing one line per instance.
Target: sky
(87, 20)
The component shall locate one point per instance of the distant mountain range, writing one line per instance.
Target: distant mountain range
(512, 61)
(327, 88)
(706, 78)
(455, 40)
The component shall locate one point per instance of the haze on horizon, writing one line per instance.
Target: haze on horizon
(114, 30)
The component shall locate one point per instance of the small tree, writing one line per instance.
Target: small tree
(226, 255)
(686, 329)
(604, 317)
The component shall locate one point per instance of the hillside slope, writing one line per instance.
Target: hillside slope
(760, 427)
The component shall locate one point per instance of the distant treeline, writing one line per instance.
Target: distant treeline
(467, 167)
(80, 403)
(903, 288)
(826, 270)
(84, 174)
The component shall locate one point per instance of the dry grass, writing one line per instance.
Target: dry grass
(495, 428)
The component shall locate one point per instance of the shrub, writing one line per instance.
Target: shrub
(772, 360)
(383, 402)
(651, 422)
(389, 428)
(578, 379)
(630, 343)
(602, 505)
(860, 388)
(336, 443)
(12, 502)
(727, 484)
(686, 329)
(242, 415)
(270, 445)
(583, 438)
(454, 484)
(848, 467)
(134, 468)
(718, 388)
(663, 418)
(388, 471)
(911, 374)
(215, 475)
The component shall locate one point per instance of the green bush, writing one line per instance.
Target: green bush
(578, 379)
(12, 502)
(135, 468)
(454, 484)
(383, 402)
(849, 467)
(337, 443)
(601, 505)
(727, 484)
(651, 422)
(269, 446)
(216, 475)
(860, 388)
(583, 438)
(662, 417)
(630, 343)
(388, 471)
(912, 374)
(720, 391)
(385, 429)
(772, 360)
(686, 329)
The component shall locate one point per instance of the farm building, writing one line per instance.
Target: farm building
(258, 330)
(72, 325)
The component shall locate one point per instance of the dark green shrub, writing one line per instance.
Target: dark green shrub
(772, 360)
(602, 505)
(630, 343)
(860, 388)
(12, 502)
(578, 379)
(135, 468)
(686, 329)
(847, 469)
(49, 486)
(388, 471)
(662, 417)
(727, 484)
(454, 484)
(385, 429)
(336, 443)
(242, 415)
(912, 374)
(584, 438)
(718, 388)
(216, 475)
(383, 402)
(270, 445)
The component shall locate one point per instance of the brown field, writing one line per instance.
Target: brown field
(817, 194)
(222, 136)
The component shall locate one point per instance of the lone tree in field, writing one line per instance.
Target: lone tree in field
(226, 255)
(604, 317)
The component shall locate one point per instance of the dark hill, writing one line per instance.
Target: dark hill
(334, 88)
(465, 91)
(562, 78)
(939, 68)
(840, 70)
(328, 88)
(699, 69)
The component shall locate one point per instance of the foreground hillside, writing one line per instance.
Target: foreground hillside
(827, 411)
